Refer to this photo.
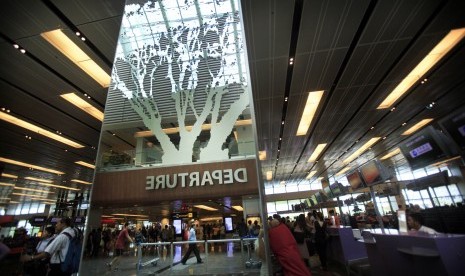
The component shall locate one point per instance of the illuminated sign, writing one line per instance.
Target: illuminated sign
(196, 179)
(421, 150)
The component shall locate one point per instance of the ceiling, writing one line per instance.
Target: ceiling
(356, 51)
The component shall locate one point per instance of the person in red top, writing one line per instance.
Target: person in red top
(120, 245)
(284, 247)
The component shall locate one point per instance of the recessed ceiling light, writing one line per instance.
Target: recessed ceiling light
(343, 170)
(9, 175)
(312, 173)
(361, 149)
(238, 208)
(205, 207)
(269, 175)
(83, 105)
(391, 154)
(21, 123)
(311, 106)
(81, 181)
(434, 56)
(6, 184)
(68, 48)
(85, 164)
(18, 163)
(417, 126)
(316, 153)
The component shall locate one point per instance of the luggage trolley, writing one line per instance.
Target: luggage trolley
(251, 263)
(140, 265)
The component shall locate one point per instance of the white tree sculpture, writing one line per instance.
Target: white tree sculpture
(193, 65)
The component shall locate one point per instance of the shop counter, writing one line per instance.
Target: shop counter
(416, 254)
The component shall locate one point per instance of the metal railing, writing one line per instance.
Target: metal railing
(244, 242)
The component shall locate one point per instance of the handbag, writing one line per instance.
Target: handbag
(299, 237)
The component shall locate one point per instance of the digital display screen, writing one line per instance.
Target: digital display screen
(336, 189)
(177, 223)
(328, 191)
(313, 200)
(55, 219)
(318, 197)
(355, 180)
(422, 150)
(455, 127)
(370, 173)
(228, 224)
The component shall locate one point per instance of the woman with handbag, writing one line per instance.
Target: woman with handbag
(301, 235)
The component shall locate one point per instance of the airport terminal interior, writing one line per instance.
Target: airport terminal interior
(269, 137)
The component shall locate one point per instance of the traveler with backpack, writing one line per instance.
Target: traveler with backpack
(59, 250)
(39, 267)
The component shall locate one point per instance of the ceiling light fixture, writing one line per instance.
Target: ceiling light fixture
(18, 163)
(269, 175)
(83, 105)
(262, 155)
(85, 164)
(6, 184)
(59, 186)
(312, 173)
(238, 208)
(29, 195)
(316, 153)
(9, 175)
(129, 215)
(434, 56)
(437, 164)
(417, 126)
(38, 179)
(361, 149)
(21, 123)
(173, 130)
(311, 106)
(341, 172)
(205, 207)
(68, 48)
(81, 181)
(33, 190)
(390, 154)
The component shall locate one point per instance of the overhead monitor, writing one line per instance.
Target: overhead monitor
(373, 172)
(423, 149)
(313, 200)
(328, 192)
(355, 180)
(336, 189)
(454, 125)
(319, 197)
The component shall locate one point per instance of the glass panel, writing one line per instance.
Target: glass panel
(282, 206)
(271, 207)
(292, 188)
(304, 187)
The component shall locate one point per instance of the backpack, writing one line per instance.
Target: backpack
(73, 257)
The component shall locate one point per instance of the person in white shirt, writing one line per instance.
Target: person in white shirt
(415, 223)
(192, 246)
(57, 249)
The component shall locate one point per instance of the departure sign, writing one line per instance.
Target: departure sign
(196, 179)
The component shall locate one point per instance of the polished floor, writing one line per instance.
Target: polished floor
(220, 259)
